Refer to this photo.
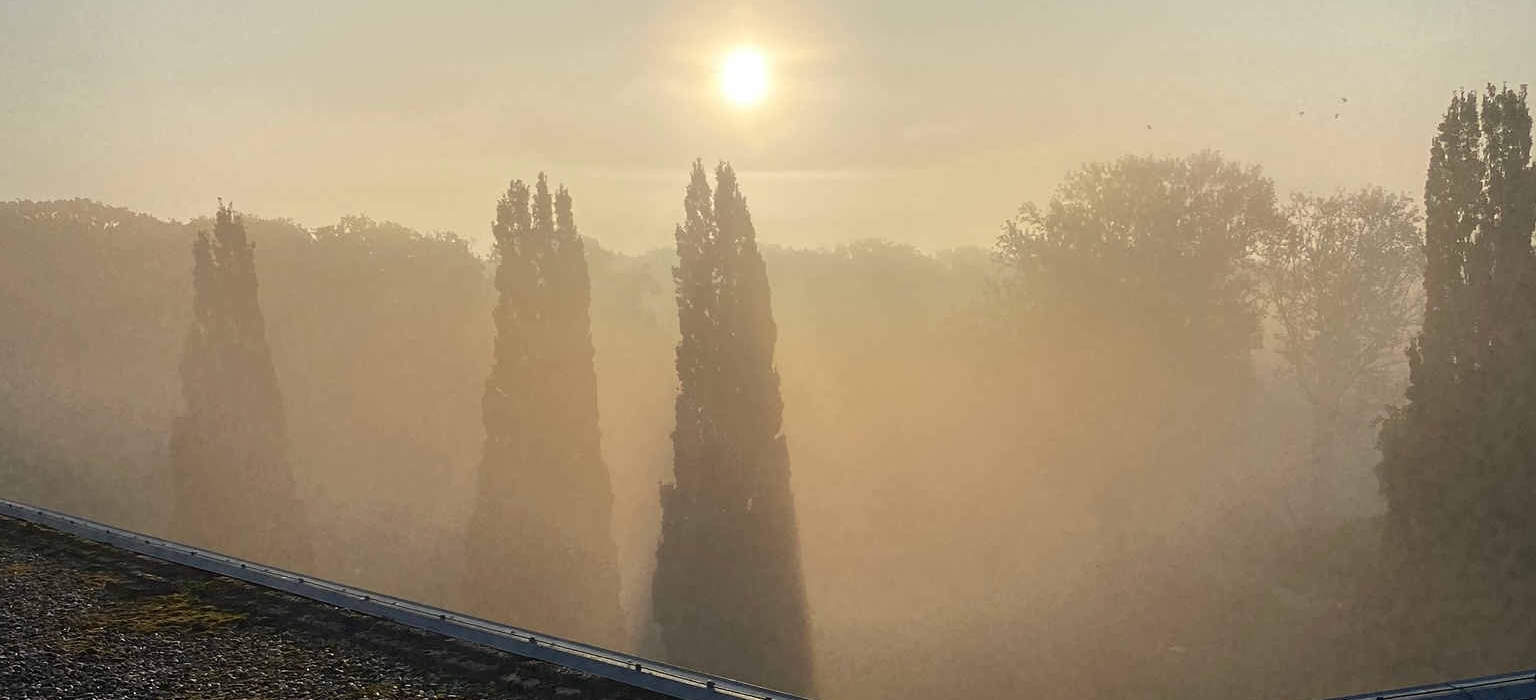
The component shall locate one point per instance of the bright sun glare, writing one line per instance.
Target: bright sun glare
(744, 76)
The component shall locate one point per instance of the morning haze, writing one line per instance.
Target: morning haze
(414, 112)
(861, 350)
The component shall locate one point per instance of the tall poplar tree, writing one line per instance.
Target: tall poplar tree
(729, 594)
(234, 486)
(541, 549)
(1459, 458)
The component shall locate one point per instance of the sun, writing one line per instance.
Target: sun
(744, 76)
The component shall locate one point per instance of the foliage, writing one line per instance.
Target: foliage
(94, 312)
(234, 486)
(540, 546)
(1341, 279)
(1155, 247)
(1133, 286)
(1457, 456)
(729, 595)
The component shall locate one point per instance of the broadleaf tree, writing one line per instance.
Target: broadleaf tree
(1340, 278)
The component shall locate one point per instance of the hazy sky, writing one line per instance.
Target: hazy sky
(926, 121)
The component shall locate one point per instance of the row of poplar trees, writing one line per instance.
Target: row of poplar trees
(728, 594)
(1459, 457)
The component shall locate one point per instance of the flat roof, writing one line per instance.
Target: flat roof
(84, 619)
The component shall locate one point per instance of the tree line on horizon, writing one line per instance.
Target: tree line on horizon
(1156, 391)
(729, 595)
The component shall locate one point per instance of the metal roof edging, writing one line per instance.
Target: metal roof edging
(674, 681)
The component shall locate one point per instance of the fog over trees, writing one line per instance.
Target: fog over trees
(229, 450)
(540, 541)
(730, 510)
(1341, 279)
(1176, 435)
(1457, 467)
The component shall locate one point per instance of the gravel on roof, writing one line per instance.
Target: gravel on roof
(80, 619)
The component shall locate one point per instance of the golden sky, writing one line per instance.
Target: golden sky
(922, 122)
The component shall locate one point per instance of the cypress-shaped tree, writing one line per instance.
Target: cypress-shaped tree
(729, 594)
(541, 549)
(234, 486)
(1458, 457)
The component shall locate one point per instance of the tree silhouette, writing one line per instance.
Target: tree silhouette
(1457, 457)
(1340, 278)
(541, 550)
(233, 482)
(728, 592)
(1132, 290)
(1135, 282)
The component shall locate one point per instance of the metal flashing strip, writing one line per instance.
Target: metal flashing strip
(1505, 686)
(656, 676)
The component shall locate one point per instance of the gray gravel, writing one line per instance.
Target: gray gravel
(83, 620)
